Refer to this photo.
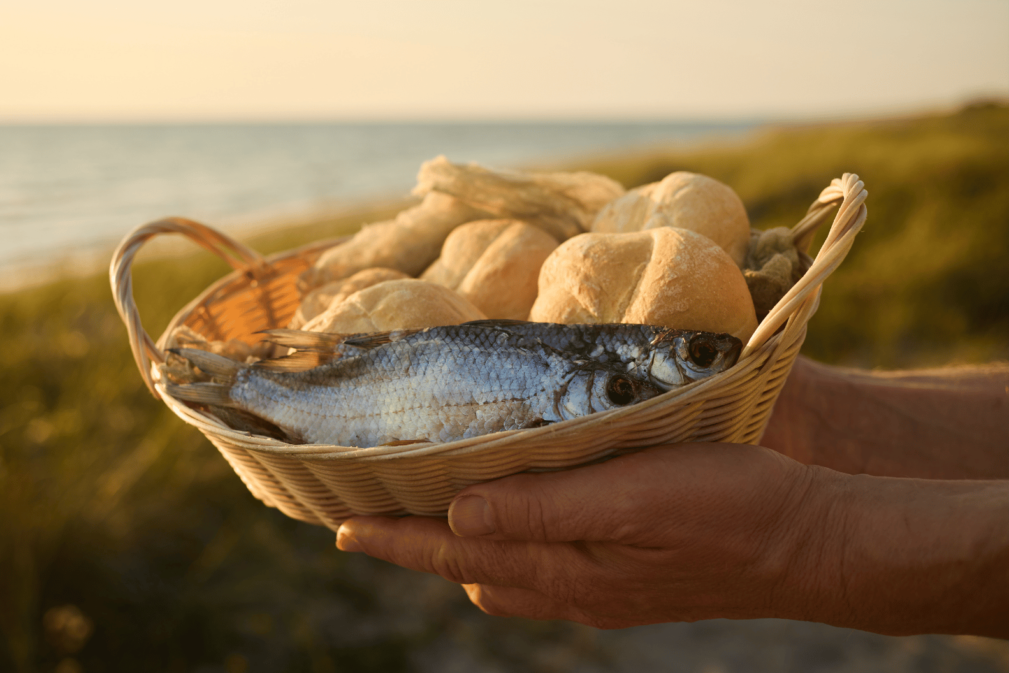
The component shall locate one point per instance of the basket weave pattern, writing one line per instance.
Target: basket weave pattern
(327, 484)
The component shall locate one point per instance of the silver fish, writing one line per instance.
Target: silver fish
(446, 383)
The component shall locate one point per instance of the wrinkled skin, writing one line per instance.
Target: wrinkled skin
(720, 530)
(699, 531)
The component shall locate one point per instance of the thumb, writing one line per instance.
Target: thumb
(599, 503)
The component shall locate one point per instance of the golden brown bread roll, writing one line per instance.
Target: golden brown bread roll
(665, 276)
(396, 304)
(495, 264)
(685, 201)
(320, 299)
(408, 243)
(562, 204)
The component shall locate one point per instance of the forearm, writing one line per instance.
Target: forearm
(903, 556)
(940, 424)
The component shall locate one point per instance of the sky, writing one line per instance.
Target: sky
(302, 60)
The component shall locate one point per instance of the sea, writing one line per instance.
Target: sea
(69, 193)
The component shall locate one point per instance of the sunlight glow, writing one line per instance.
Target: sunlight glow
(396, 59)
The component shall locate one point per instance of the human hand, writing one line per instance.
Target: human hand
(675, 533)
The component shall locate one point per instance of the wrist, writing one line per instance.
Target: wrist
(904, 556)
(812, 567)
(799, 425)
(933, 425)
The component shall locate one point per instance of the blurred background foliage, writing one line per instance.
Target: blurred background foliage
(126, 543)
(924, 284)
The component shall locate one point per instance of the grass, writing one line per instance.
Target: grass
(922, 285)
(111, 504)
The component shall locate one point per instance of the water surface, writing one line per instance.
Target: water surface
(68, 190)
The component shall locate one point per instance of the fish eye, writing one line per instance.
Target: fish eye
(620, 390)
(702, 352)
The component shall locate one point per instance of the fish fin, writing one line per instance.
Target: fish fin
(536, 423)
(210, 363)
(496, 322)
(323, 342)
(406, 442)
(378, 338)
(243, 421)
(201, 393)
(297, 361)
(178, 373)
(305, 341)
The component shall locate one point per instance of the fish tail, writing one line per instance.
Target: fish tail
(211, 364)
(191, 384)
(218, 394)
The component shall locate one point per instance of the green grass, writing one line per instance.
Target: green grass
(923, 284)
(110, 503)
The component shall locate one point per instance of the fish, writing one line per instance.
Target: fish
(446, 383)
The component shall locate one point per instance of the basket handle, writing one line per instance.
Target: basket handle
(238, 256)
(850, 192)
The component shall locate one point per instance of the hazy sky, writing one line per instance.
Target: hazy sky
(464, 59)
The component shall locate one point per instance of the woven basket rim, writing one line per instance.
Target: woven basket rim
(798, 304)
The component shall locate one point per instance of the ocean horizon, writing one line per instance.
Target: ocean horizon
(70, 192)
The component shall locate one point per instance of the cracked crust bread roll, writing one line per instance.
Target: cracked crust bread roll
(495, 264)
(684, 201)
(670, 277)
(396, 304)
(320, 299)
(408, 243)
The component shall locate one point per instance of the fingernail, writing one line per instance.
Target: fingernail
(345, 540)
(470, 516)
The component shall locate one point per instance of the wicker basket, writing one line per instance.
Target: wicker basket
(327, 484)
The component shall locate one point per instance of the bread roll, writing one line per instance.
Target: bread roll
(670, 277)
(396, 304)
(562, 204)
(685, 201)
(408, 243)
(320, 299)
(495, 264)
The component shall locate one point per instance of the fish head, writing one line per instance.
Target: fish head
(680, 357)
(595, 389)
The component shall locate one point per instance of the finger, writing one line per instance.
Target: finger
(517, 602)
(616, 501)
(592, 503)
(528, 604)
(588, 503)
(428, 545)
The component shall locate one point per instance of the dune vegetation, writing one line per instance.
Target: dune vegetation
(126, 543)
(923, 284)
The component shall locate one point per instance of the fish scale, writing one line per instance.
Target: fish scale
(460, 381)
